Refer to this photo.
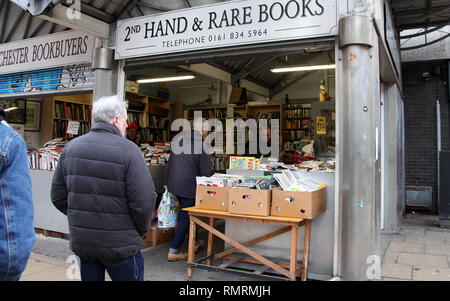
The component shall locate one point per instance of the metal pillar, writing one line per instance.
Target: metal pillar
(105, 71)
(358, 106)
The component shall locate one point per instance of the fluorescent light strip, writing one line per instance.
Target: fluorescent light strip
(164, 79)
(303, 68)
(11, 109)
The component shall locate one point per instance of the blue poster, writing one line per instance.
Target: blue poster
(49, 79)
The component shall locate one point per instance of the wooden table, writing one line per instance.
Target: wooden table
(288, 271)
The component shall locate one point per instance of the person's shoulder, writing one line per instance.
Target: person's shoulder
(129, 148)
(9, 135)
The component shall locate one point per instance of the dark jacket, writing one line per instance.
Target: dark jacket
(104, 187)
(184, 166)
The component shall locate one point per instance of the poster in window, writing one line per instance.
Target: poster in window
(321, 125)
(33, 116)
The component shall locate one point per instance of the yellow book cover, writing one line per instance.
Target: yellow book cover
(249, 163)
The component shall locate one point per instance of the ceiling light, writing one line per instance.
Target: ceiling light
(11, 109)
(165, 79)
(303, 68)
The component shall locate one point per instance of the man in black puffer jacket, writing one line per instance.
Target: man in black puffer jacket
(104, 187)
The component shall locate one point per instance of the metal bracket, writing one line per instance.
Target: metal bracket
(102, 58)
(355, 30)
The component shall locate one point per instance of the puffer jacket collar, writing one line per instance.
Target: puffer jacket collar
(107, 127)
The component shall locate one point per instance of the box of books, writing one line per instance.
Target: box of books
(298, 196)
(249, 201)
(212, 198)
(298, 204)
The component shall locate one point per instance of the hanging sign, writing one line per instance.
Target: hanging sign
(59, 49)
(321, 125)
(231, 23)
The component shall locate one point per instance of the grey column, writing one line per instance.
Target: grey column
(358, 105)
(105, 71)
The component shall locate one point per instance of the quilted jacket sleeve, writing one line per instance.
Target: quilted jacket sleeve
(59, 189)
(141, 193)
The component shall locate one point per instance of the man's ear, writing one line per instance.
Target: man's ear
(115, 120)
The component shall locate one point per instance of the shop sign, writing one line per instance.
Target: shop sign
(59, 49)
(231, 23)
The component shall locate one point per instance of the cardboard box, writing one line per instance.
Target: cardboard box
(212, 198)
(307, 205)
(156, 236)
(132, 86)
(249, 201)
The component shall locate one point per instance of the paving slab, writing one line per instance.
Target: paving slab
(407, 247)
(437, 250)
(423, 259)
(56, 273)
(395, 270)
(424, 273)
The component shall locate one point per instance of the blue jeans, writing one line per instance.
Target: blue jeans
(126, 269)
(183, 225)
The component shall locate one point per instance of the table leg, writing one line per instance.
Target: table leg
(306, 249)
(210, 241)
(294, 249)
(191, 247)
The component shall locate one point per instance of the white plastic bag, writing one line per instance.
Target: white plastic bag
(167, 211)
(309, 149)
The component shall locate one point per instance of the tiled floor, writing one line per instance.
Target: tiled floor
(420, 251)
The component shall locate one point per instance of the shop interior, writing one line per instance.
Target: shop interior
(295, 97)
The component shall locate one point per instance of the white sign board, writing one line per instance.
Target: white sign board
(72, 127)
(231, 23)
(59, 49)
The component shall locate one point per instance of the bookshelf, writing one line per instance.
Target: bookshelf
(158, 110)
(256, 112)
(219, 113)
(151, 115)
(296, 126)
(57, 111)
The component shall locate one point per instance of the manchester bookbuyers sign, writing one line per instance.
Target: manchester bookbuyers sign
(59, 49)
(226, 24)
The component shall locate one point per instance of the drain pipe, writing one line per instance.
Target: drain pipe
(438, 125)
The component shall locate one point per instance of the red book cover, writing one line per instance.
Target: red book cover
(65, 110)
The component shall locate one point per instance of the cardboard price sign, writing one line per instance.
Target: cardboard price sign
(73, 127)
(321, 125)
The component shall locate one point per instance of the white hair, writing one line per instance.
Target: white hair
(107, 107)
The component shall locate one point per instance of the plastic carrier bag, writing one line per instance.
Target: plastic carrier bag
(168, 211)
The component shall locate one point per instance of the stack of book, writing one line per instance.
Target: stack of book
(46, 158)
(157, 154)
(294, 181)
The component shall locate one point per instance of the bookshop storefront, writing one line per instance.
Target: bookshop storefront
(46, 90)
(328, 94)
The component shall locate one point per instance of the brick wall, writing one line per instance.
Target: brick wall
(420, 122)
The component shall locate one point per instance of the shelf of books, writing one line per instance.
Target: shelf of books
(151, 115)
(296, 128)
